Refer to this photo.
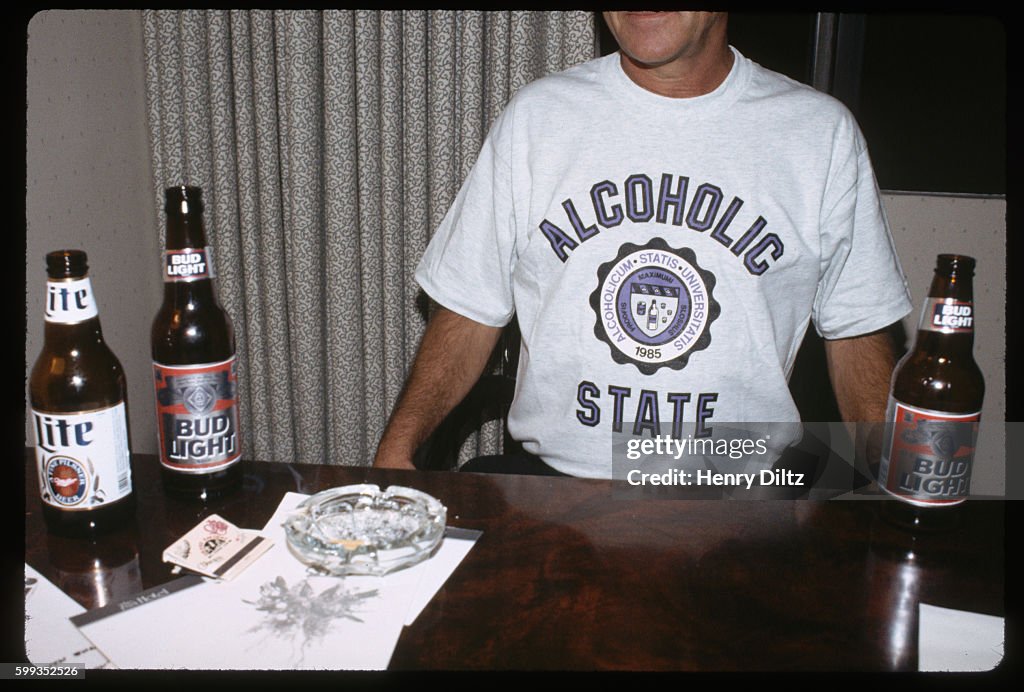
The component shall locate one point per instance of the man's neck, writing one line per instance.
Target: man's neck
(684, 77)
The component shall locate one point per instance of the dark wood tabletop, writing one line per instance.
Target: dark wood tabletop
(569, 575)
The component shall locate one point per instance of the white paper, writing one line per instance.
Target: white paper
(272, 616)
(955, 640)
(50, 638)
(220, 626)
(435, 571)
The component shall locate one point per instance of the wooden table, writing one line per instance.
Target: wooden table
(568, 577)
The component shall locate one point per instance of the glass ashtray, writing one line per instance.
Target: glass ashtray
(358, 529)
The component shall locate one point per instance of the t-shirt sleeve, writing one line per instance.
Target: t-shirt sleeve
(861, 286)
(467, 266)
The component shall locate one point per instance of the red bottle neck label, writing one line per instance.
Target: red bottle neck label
(947, 316)
(188, 264)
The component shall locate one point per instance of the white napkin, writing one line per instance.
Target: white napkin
(955, 640)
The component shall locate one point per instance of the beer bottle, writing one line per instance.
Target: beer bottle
(935, 407)
(79, 403)
(193, 350)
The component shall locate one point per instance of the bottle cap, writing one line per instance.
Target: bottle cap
(64, 264)
(183, 199)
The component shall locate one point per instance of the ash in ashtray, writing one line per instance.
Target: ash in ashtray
(372, 525)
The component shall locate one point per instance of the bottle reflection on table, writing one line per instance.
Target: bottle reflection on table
(894, 570)
(96, 573)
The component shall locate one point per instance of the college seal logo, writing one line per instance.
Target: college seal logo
(654, 306)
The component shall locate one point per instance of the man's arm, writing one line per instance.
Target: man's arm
(861, 368)
(451, 357)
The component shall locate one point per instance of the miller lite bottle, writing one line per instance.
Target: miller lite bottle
(194, 369)
(79, 411)
(935, 407)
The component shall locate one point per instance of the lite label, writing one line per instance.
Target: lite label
(53, 434)
(68, 302)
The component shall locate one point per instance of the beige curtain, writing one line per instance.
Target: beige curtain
(329, 145)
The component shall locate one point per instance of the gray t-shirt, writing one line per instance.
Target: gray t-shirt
(664, 256)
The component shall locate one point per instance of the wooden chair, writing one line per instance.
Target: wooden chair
(488, 400)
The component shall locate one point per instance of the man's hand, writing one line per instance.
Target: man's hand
(451, 357)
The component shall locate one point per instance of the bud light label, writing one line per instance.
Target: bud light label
(68, 302)
(189, 264)
(928, 455)
(947, 316)
(82, 459)
(197, 416)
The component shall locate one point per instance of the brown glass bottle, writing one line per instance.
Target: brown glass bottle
(935, 407)
(194, 367)
(79, 409)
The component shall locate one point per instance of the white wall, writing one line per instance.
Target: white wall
(89, 186)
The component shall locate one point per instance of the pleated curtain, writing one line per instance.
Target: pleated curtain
(329, 145)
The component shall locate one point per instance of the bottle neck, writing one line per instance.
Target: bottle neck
(188, 262)
(950, 345)
(189, 294)
(70, 309)
(185, 231)
(947, 317)
(77, 334)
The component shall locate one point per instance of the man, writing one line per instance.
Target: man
(665, 223)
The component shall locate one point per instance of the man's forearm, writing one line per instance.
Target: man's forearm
(861, 370)
(451, 357)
